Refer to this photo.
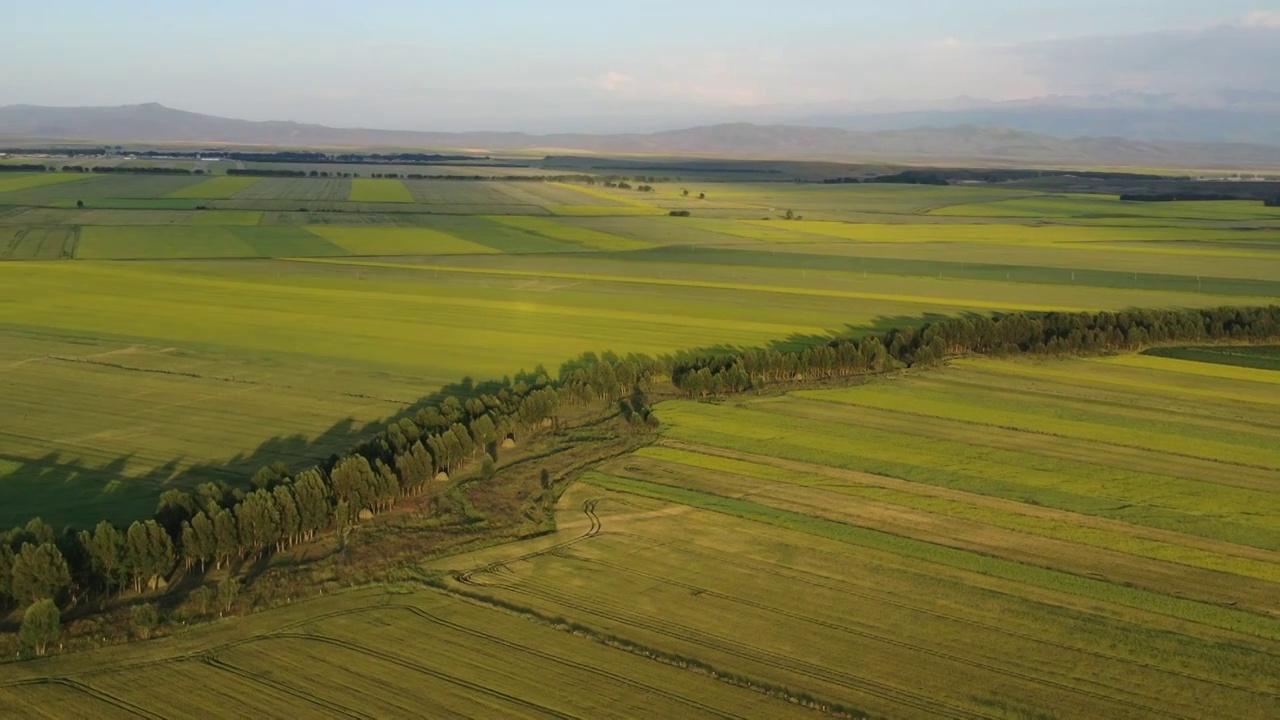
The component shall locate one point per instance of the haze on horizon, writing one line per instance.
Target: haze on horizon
(570, 65)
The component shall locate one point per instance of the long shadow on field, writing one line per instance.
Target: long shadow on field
(84, 494)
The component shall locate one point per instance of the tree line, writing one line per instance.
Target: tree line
(215, 525)
(1057, 333)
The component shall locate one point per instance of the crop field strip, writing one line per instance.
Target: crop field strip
(1090, 488)
(544, 290)
(1124, 616)
(379, 190)
(828, 585)
(10, 182)
(358, 664)
(216, 188)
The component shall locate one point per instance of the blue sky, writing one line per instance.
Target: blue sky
(539, 64)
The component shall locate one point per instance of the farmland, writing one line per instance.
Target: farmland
(909, 559)
(1004, 539)
(376, 654)
(414, 285)
(942, 558)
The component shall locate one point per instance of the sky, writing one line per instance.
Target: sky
(550, 65)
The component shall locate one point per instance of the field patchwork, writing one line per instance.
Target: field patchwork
(924, 557)
(585, 237)
(377, 653)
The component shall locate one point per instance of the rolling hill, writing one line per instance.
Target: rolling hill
(154, 123)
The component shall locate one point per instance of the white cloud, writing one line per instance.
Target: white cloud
(951, 43)
(1262, 19)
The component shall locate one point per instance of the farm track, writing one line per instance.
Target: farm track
(878, 637)
(1052, 434)
(684, 633)
(95, 693)
(798, 576)
(871, 479)
(589, 507)
(445, 677)
(215, 662)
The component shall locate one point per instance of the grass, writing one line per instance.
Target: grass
(223, 186)
(520, 290)
(754, 586)
(199, 241)
(346, 653)
(1258, 358)
(379, 191)
(584, 237)
(775, 536)
(38, 243)
(10, 182)
(227, 217)
(1028, 519)
(398, 241)
(1109, 207)
(1032, 538)
(925, 552)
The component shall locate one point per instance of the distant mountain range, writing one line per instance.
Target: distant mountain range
(973, 142)
(1224, 116)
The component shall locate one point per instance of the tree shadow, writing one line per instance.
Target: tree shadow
(67, 491)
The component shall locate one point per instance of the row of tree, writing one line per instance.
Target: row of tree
(1050, 333)
(215, 524)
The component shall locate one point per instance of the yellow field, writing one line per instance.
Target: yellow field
(21, 181)
(377, 190)
(398, 241)
(592, 239)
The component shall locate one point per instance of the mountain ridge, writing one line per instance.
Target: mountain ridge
(155, 123)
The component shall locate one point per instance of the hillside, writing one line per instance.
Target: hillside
(155, 123)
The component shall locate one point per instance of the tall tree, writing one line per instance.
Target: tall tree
(41, 625)
(6, 571)
(313, 502)
(39, 572)
(106, 555)
(226, 538)
(257, 522)
(290, 517)
(174, 508)
(228, 593)
(199, 540)
(354, 482)
(39, 532)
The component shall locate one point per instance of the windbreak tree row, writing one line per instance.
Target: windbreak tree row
(216, 524)
(1017, 333)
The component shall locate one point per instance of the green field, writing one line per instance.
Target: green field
(214, 188)
(375, 654)
(475, 279)
(367, 190)
(906, 561)
(1262, 358)
(870, 554)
